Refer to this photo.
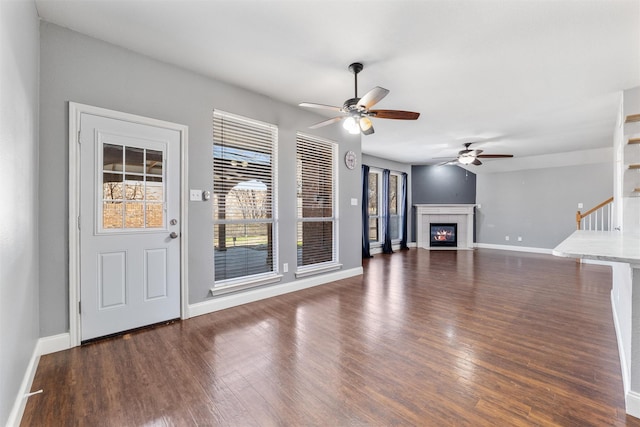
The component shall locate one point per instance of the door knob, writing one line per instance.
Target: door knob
(173, 235)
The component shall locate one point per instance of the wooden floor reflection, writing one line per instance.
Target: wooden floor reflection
(423, 338)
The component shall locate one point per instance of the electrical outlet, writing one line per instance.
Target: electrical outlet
(506, 238)
(519, 238)
(580, 205)
(195, 195)
(354, 202)
(285, 267)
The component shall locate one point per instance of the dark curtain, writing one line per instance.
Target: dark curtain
(385, 217)
(404, 207)
(366, 253)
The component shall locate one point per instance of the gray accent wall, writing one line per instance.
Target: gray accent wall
(539, 204)
(82, 69)
(19, 206)
(441, 185)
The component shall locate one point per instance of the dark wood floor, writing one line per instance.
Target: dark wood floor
(469, 338)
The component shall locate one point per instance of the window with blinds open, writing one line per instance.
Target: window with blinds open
(374, 203)
(244, 197)
(316, 201)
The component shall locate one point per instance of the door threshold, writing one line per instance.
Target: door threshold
(127, 334)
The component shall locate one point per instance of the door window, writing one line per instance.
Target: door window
(133, 191)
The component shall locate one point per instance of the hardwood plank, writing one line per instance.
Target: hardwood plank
(470, 338)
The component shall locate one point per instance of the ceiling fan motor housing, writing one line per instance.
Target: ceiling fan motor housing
(351, 106)
(356, 67)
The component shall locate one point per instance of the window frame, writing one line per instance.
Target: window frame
(233, 284)
(378, 216)
(146, 146)
(397, 215)
(378, 171)
(324, 266)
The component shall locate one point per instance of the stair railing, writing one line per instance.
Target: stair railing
(598, 218)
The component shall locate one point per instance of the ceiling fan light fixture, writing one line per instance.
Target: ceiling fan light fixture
(466, 160)
(366, 125)
(351, 125)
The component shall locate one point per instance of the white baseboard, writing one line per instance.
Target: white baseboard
(632, 401)
(412, 245)
(513, 248)
(43, 346)
(54, 343)
(233, 300)
(15, 416)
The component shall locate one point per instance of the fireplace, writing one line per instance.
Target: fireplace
(443, 234)
(462, 215)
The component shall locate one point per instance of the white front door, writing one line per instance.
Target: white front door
(129, 225)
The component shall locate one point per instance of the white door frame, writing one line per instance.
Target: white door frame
(75, 110)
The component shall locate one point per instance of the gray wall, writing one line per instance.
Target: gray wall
(78, 68)
(379, 163)
(441, 184)
(19, 205)
(538, 204)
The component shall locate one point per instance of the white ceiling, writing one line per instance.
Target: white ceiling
(530, 78)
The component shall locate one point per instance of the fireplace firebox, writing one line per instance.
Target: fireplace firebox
(443, 235)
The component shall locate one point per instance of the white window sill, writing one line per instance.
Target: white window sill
(240, 285)
(305, 272)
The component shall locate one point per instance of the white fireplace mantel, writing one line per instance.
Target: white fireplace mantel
(461, 214)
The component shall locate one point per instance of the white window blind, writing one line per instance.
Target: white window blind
(316, 201)
(244, 199)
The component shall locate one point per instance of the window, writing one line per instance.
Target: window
(244, 199)
(375, 179)
(316, 201)
(376, 235)
(394, 211)
(133, 193)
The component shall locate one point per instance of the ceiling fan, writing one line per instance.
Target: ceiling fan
(472, 157)
(356, 112)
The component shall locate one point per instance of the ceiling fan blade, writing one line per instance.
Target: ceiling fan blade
(373, 97)
(495, 156)
(476, 162)
(394, 114)
(322, 106)
(449, 162)
(326, 122)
